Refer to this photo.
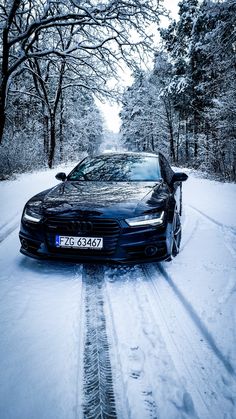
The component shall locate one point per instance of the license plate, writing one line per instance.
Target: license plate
(79, 242)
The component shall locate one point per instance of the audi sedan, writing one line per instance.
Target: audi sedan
(119, 207)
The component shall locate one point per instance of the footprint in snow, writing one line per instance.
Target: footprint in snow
(136, 361)
(187, 405)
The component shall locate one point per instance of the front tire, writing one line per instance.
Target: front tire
(177, 233)
(174, 237)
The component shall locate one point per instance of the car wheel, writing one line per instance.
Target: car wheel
(175, 237)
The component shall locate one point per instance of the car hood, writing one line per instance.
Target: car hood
(117, 199)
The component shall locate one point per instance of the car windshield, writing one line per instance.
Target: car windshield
(119, 168)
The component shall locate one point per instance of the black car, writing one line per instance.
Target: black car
(120, 207)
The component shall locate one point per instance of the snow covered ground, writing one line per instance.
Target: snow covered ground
(149, 341)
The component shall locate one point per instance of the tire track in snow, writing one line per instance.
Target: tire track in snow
(78, 409)
(219, 224)
(228, 232)
(153, 386)
(134, 385)
(197, 321)
(188, 235)
(122, 403)
(213, 376)
(99, 398)
(184, 402)
(130, 353)
(8, 228)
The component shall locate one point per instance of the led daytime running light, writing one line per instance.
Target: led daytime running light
(32, 218)
(151, 219)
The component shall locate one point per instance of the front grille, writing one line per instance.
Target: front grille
(106, 228)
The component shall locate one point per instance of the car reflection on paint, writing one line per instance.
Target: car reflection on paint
(120, 207)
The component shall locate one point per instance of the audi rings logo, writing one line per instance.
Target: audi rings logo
(81, 227)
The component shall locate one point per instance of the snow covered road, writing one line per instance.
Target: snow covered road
(149, 341)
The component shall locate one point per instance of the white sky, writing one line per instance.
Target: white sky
(111, 112)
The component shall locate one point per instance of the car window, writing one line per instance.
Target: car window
(117, 168)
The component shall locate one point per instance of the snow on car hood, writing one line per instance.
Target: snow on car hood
(97, 197)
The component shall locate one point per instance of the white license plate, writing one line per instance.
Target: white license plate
(79, 242)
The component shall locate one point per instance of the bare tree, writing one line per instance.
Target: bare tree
(103, 31)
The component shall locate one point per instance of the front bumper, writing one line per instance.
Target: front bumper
(122, 244)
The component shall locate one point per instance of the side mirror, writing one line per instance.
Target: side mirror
(61, 176)
(179, 177)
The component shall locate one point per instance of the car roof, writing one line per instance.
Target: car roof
(127, 153)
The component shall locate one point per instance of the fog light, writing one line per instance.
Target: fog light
(24, 244)
(150, 251)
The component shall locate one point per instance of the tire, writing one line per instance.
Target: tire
(177, 233)
(175, 237)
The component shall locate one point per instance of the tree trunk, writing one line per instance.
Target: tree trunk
(169, 118)
(172, 145)
(52, 140)
(45, 134)
(3, 87)
(2, 114)
(152, 142)
(186, 142)
(207, 133)
(53, 113)
(196, 129)
(233, 170)
(61, 128)
(195, 147)
(177, 143)
(5, 65)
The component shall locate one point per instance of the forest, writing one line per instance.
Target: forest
(186, 106)
(58, 57)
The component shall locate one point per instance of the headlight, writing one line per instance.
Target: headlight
(31, 216)
(149, 219)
